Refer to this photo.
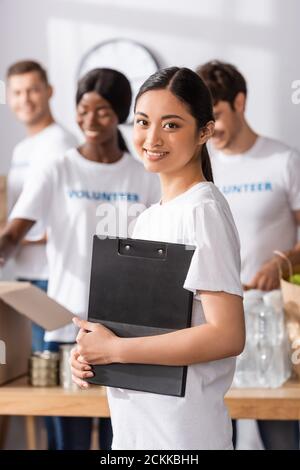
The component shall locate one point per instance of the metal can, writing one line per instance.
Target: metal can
(43, 369)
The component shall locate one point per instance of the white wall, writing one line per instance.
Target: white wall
(260, 36)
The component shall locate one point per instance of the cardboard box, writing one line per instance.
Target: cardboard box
(21, 302)
(3, 200)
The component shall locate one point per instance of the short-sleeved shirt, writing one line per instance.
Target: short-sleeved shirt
(262, 187)
(77, 198)
(199, 217)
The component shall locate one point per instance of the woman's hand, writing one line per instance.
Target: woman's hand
(96, 344)
(80, 370)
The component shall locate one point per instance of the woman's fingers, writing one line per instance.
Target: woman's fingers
(82, 360)
(79, 370)
(77, 364)
(80, 335)
(80, 366)
(74, 353)
(80, 383)
(84, 324)
(81, 374)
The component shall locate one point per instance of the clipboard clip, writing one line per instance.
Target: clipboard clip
(138, 249)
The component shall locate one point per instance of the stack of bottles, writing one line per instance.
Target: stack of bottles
(265, 361)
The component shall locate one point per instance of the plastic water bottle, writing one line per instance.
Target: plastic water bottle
(265, 360)
(280, 369)
(245, 375)
(265, 331)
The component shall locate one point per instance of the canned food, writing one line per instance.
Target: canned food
(43, 369)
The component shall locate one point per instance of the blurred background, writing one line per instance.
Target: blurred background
(259, 36)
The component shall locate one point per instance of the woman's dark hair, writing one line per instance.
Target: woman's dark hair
(190, 89)
(113, 86)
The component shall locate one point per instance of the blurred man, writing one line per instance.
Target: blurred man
(260, 177)
(28, 95)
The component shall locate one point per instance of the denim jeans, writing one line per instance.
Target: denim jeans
(276, 434)
(75, 433)
(38, 344)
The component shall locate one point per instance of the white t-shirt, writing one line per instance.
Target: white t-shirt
(82, 198)
(262, 187)
(199, 217)
(30, 261)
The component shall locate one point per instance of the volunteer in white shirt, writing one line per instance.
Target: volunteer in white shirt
(96, 188)
(173, 121)
(29, 94)
(260, 178)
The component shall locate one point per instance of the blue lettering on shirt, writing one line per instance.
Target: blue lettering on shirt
(247, 188)
(102, 196)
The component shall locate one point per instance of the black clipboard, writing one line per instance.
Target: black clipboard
(136, 289)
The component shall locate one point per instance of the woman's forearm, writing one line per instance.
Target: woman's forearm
(189, 346)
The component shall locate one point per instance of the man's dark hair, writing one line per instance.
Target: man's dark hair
(224, 81)
(25, 66)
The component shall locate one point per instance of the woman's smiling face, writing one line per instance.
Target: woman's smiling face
(165, 133)
(96, 118)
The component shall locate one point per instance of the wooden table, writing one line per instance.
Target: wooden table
(18, 398)
(265, 403)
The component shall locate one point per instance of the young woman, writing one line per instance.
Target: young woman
(173, 121)
(97, 188)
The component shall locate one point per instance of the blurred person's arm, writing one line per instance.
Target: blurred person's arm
(32, 206)
(267, 278)
(11, 236)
